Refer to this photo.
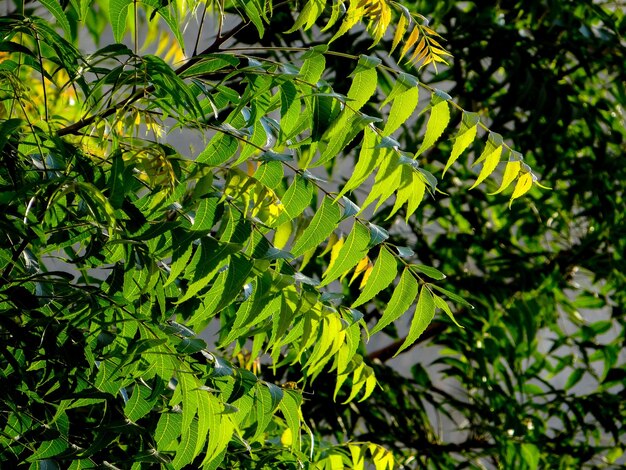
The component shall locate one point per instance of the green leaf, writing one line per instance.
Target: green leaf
(428, 270)
(402, 108)
(139, 403)
(169, 13)
(341, 132)
(48, 449)
(206, 418)
(411, 191)
(82, 8)
(270, 174)
(118, 11)
(387, 181)
(290, 408)
(224, 291)
(276, 393)
(324, 222)
(403, 83)
(204, 265)
(206, 214)
(403, 296)
(116, 181)
(383, 274)
(56, 10)
(220, 149)
(185, 450)
(309, 14)
(336, 12)
(452, 296)
(264, 407)
(439, 119)
(312, 68)
(531, 455)
(443, 305)
(352, 251)
(183, 250)
(250, 313)
(464, 138)
(207, 65)
(160, 362)
(81, 464)
(574, 378)
(364, 84)
(424, 313)
(295, 200)
(368, 160)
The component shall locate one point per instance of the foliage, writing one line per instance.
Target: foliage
(536, 377)
(120, 243)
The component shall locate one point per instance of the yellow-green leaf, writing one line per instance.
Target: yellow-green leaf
(510, 173)
(439, 119)
(364, 84)
(366, 163)
(523, 185)
(383, 274)
(353, 250)
(324, 222)
(464, 138)
(401, 109)
(490, 157)
(401, 299)
(311, 12)
(443, 305)
(424, 313)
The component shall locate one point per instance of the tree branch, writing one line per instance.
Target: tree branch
(78, 125)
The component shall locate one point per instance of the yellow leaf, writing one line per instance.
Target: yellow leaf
(286, 439)
(523, 185)
(421, 56)
(400, 30)
(360, 268)
(366, 276)
(334, 252)
(431, 32)
(410, 41)
(421, 46)
(383, 20)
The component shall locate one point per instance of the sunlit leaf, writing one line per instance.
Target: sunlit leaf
(437, 122)
(321, 226)
(403, 296)
(383, 274)
(424, 312)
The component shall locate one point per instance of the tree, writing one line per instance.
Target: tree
(101, 360)
(535, 379)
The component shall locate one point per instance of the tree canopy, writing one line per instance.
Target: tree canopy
(296, 176)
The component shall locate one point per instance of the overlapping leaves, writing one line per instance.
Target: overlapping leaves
(244, 235)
